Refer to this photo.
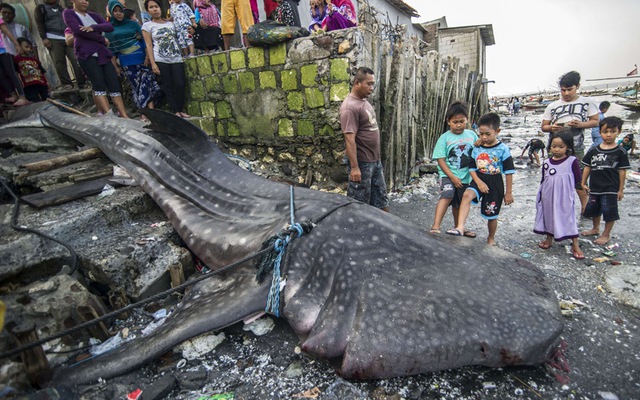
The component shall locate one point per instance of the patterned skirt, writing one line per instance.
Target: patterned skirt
(144, 87)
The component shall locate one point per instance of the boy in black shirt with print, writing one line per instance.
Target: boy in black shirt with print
(606, 168)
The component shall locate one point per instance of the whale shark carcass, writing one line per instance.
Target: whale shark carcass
(362, 287)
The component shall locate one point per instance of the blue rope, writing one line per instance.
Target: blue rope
(279, 247)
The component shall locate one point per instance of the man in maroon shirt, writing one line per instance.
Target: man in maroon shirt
(362, 139)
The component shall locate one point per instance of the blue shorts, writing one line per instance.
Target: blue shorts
(371, 189)
(602, 204)
(449, 191)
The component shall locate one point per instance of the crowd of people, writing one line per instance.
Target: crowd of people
(471, 165)
(147, 52)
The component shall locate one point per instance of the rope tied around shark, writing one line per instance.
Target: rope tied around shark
(271, 261)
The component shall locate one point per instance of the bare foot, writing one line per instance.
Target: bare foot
(434, 230)
(491, 242)
(602, 240)
(590, 232)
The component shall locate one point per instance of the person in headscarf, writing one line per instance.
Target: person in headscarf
(340, 15)
(208, 34)
(128, 47)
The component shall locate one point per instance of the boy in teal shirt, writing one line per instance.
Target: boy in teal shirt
(453, 155)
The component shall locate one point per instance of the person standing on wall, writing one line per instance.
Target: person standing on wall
(233, 10)
(362, 140)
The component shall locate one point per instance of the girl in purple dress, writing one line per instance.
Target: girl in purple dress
(318, 10)
(555, 205)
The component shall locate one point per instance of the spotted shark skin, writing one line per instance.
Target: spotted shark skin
(363, 287)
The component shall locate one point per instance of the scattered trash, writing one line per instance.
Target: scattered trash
(135, 395)
(161, 313)
(201, 267)
(612, 246)
(567, 249)
(124, 333)
(609, 253)
(158, 224)
(608, 396)
(341, 389)
(221, 396)
(152, 327)
(600, 288)
(107, 191)
(614, 262)
(312, 393)
(94, 238)
(181, 364)
(601, 259)
(260, 327)
(107, 345)
(146, 240)
(201, 345)
(294, 370)
(488, 385)
(120, 172)
(525, 255)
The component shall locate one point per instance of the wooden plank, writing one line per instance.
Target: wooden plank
(67, 193)
(58, 162)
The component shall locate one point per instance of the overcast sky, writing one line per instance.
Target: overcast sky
(539, 40)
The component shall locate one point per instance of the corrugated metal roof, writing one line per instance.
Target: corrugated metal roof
(404, 8)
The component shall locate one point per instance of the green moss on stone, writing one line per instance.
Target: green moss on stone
(289, 79)
(295, 101)
(315, 98)
(247, 82)
(219, 62)
(204, 65)
(209, 126)
(308, 75)
(339, 69)
(267, 78)
(326, 130)
(232, 129)
(256, 57)
(339, 91)
(220, 129)
(285, 127)
(196, 90)
(192, 67)
(278, 54)
(230, 83)
(223, 109)
(237, 59)
(193, 108)
(212, 84)
(305, 127)
(208, 109)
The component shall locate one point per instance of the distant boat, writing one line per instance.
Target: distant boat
(633, 105)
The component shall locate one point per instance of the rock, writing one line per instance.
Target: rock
(624, 282)
(198, 346)
(343, 390)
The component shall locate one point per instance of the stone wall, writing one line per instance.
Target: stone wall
(278, 105)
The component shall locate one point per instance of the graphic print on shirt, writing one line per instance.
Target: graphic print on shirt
(372, 121)
(460, 156)
(167, 46)
(487, 164)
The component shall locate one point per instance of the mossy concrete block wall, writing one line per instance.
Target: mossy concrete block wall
(278, 106)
